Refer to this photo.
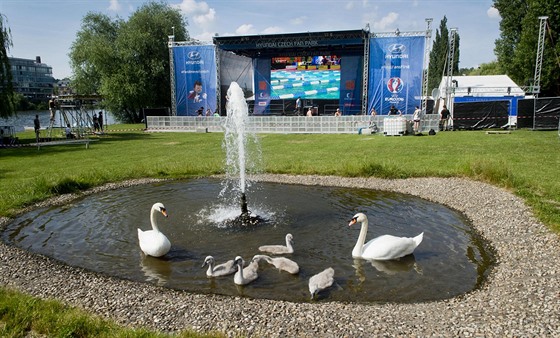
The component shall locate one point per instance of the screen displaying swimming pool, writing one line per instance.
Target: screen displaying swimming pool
(312, 77)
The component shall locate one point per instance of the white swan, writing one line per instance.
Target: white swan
(321, 281)
(281, 263)
(223, 269)
(246, 275)
(384, 247)
(279, 249)
(153, 242)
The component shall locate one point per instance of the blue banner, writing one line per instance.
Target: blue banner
(351, 84)
(195, 80)
(395, 74)
(261, 68)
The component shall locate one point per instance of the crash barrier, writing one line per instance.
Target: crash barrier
(350, 124)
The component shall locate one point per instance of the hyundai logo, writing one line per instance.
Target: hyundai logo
(397, 48)
(194, 55)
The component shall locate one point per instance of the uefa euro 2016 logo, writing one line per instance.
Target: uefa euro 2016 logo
(395, 85)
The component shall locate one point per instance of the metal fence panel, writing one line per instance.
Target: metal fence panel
(283, 124)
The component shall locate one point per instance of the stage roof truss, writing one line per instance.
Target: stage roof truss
(295, 44)
(395, 34)
(487, 91)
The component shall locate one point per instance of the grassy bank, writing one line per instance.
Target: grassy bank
(21, 314)
(525, 162)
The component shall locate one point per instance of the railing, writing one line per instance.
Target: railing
(350, 124)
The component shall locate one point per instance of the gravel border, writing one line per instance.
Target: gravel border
(520, 298)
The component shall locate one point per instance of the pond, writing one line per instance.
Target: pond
(99, 233)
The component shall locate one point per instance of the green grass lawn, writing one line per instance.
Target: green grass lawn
(525, 162)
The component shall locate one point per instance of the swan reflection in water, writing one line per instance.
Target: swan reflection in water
(395, 266)
(391, 267)
(156, 270)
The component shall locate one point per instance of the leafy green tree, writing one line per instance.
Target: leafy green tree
(512, 13)
(491, 68)
(516, 49)
(127, 62)
(438, 55)
(91, 54)
(22, 103)
(7, 104)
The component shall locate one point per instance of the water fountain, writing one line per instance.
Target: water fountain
(236, 140)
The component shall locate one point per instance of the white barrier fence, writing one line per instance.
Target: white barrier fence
(290, 124)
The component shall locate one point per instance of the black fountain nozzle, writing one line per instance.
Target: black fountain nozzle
(245, 219)
(244, 210)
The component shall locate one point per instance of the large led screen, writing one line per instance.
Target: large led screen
(307, 77)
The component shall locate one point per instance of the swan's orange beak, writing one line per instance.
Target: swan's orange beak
(352, 221)
(164, 212)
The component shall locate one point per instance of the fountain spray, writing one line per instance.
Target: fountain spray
(236, 148)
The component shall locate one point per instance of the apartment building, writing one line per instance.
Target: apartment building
(32, 78)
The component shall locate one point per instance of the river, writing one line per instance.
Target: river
(24, 120)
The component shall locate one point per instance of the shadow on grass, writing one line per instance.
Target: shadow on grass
(28, 148)
(125, 136)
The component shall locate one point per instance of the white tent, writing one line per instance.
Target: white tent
(480, 86)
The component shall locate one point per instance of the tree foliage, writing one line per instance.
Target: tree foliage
(490, 68)
(7, 103)
(438, 55)
(127, 62)
(91, 54)
(516, 49)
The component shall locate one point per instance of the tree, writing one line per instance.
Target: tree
(518, 43)
(91, 55)
(438, 55)
(491, 68)
(127, 62)
(7, 102)
(511, 25)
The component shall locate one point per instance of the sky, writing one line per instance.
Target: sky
(47, 28)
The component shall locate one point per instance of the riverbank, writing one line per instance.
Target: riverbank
(521, 296)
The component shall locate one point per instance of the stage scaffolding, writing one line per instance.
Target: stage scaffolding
(170, 44)
(76, 111)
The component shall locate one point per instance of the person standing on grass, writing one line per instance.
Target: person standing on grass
(37, 127)
(95, 123)
(416, 119)
(445, 114)
(100, 121)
